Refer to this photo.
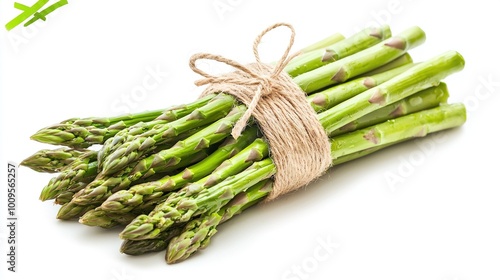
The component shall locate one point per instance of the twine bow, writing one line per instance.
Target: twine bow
(266, 83)
(298, 144)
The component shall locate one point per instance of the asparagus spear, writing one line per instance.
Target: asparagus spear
(414, 125)
(67, 195)
(357, 42)
(144, 137)
(417, 78)
(52, 161)
(361, 62)
(85, 132)
(422, 100)
(182, 209)
(362, 153)
(83, 169)
(330, 97)
(398, 62)
(140, 247)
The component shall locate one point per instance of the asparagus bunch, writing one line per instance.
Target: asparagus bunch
(172, 176)
(119, 156)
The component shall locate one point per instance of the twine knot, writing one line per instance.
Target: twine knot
(299, 146)
(255, 76)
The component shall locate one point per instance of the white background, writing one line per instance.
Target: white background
(440, 221)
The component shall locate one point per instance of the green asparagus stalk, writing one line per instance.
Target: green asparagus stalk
(330, 97)
(83, 169)
(170, 212)
(140, 247)
(414, 125)
(361, 62)
(85, 132)
(425, 99)
(52, 161)
(67, 195)
(417, 78)
(398, 62)
(106, 219)
(144, 137)
(317, 58)
(362, 153)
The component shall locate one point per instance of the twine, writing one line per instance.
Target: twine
(298, 144)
